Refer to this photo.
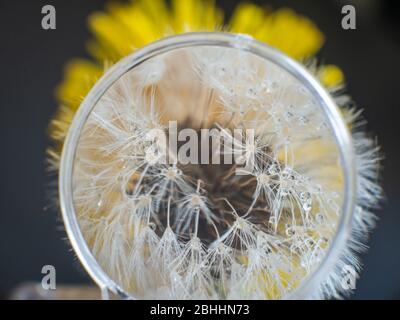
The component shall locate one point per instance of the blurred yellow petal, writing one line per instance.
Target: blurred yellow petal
(158, 12)
(247, 18)
(294, 34)
(194, 15)
(186, 15)
(100, 52)
(79, 77)
(113, 33)
(137, 24)
(331, 76)
(213, 17)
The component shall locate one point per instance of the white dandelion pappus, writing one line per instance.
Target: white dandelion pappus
(202, 231)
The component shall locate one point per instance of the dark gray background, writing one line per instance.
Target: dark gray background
(32, 61)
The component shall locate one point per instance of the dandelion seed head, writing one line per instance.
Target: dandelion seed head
(200, 230)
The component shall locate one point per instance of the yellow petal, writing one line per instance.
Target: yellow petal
(247, 18)
(80, 76)
(331, 76)
(112, 32)
(294, 34)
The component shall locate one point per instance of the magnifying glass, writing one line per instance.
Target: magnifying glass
(209, 166)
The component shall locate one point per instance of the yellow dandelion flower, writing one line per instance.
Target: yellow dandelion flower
(156, 228)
